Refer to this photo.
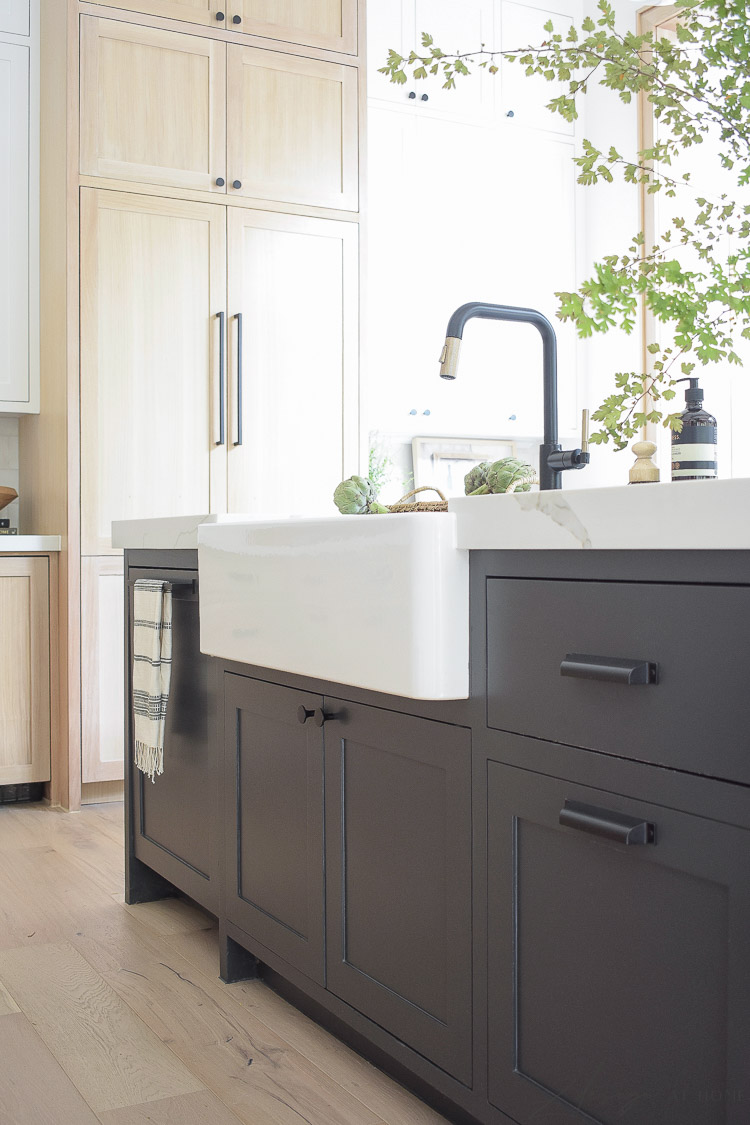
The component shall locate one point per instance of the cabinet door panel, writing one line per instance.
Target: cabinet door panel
(24, 670)
(295, 282)
(102, 625)
(192, 11)
(14, 226)
(331, 24)
(152, 105)
(152, 282)
(525, 97)
(275, 820)
(398, 865)
(14, 18)
(292, 128)
(618, 986)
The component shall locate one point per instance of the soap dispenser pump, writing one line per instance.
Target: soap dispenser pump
(694, 448)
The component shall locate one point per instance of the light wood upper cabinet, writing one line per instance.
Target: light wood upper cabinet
(192, 11)
(292, 128)
(152, 105)
(153, 281)
(24, 670)
(294, 280)
(331, 24)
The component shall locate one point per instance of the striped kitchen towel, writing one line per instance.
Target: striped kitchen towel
(152, 670)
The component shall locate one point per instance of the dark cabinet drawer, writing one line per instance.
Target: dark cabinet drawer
(695, 716)
(618, 977)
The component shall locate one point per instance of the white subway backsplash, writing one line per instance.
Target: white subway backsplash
(9, 464)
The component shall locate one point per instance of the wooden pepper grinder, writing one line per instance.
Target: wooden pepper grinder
(644, 471)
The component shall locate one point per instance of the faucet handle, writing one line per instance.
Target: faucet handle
(584, 431)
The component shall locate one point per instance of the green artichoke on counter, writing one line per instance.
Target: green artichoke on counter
(476, 478)
(499, 476)
(357, 496)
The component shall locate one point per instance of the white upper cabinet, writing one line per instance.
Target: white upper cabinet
(19, 373)
(15, 17)
(400, 24)
(524, 99)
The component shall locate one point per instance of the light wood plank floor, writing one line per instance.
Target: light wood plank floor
(115, 1014)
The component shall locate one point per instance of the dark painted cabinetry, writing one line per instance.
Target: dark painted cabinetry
(274, 820)
(398, 862)
(618, 980)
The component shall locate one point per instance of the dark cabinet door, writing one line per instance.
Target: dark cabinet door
(398, 888)
(274, 842)
(174, 826)
(618, 975)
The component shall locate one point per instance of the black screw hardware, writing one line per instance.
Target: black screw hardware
(220, 16)
(220, 181)
(304, 713)
(236, 184)
(412, 94)
(425, 97)
(236, 19)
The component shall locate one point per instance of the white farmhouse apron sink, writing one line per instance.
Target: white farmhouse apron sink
(376, 602)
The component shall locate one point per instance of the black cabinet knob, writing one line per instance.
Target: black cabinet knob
(412, 94)
(304, 713)
(510, 113)
(236, 19)
(236, 184)
(425, 97)
(220, 16)
(321, 716)
(220, 181)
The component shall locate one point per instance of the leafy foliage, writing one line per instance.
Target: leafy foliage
(695, 278)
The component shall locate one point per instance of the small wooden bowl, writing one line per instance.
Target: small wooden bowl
(7, 496)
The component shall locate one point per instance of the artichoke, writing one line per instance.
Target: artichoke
(357, 496)
(504, 474)
(475, 481)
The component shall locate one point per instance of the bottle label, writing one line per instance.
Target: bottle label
(694, 459)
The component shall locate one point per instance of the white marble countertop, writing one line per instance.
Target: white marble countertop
(163, 534)
(24, 544)
(690, 515)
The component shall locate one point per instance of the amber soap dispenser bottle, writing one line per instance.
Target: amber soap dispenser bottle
(694, 448)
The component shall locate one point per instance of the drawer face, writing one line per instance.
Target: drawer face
(695, 717)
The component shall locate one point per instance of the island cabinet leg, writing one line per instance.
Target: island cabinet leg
(398, 877)
(235, 962)
(619, 981)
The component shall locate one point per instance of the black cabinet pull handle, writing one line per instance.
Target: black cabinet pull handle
(220, 181)
(220, 16)
(236, 184)
(611, 669)
(610, 825)
(236, 19)
(322, 716)
(238, 318)
(425, 97)
(222, 362)
(412, 94)
(304, 713)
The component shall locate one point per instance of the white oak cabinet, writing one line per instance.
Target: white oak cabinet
(102, 668)
(156, 109)
(24, 670)
(19, 272)
(328, 24)
(293, 405)
(153, 297)
(153, 105)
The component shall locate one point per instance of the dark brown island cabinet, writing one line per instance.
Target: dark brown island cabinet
(530, 906)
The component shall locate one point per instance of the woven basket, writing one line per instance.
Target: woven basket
(440, 505)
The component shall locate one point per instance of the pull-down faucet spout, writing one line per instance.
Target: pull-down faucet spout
(552, 458)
